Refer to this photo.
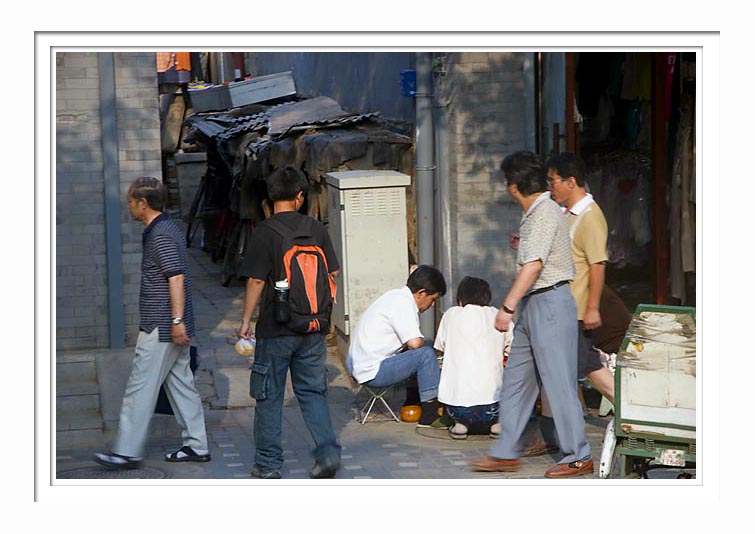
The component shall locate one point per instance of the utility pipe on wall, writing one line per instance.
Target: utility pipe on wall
(425, 176)
(221, 66)
(111, 170)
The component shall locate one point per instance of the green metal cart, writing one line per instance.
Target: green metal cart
(654, 423)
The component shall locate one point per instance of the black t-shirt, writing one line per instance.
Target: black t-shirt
(263, 262)
(615, 319)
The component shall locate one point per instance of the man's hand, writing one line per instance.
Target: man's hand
(252, 297)
(591, 319)
(502, 321)
(245, 330)
(415, 343)
(178, 333)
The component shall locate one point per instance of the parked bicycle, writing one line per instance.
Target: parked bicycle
(196, 213)
(236, 250)
(208, 210)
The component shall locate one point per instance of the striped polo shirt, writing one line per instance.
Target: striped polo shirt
(164, 255)
(544, 236)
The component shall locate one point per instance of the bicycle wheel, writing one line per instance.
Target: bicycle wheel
(228, 272)
(235, 252)
(196, 211)
(226, 229)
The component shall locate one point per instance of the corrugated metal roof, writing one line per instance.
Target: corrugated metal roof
(207, 128)
(351, 119)
(224, 127)
(257, 123)
(227, 119)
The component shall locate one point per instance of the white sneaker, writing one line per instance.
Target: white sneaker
(458, 431)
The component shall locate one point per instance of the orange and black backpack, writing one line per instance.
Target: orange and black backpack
(312, 290)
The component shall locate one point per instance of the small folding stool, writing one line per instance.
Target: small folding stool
(375, 395)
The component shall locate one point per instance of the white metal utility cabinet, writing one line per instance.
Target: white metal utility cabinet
(367, 224)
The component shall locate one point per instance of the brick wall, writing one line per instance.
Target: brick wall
(484, 93)
(81, 256)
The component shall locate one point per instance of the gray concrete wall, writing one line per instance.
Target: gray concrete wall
(82, 313)
(360, 81)
(484, 97)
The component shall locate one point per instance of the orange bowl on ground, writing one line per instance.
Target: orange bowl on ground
(410, 414)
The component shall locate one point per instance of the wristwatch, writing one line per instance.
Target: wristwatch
(177, 320)
(507, 309)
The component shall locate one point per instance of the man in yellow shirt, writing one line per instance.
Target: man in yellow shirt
(588, 231)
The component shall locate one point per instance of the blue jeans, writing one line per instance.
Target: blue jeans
(466, 415)
(421, 361)
(305, 356)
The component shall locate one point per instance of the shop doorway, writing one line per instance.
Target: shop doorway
(631, 116)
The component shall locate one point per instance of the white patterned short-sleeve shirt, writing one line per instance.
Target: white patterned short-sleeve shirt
(544, 236)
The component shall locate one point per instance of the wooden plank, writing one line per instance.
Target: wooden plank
(308, 111)
(659, 172)
(171, 131)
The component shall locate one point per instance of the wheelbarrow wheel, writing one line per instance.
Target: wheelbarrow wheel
(613, 464)
(608, 453)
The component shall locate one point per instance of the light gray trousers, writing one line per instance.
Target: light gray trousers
(157, 363)
(544, 349)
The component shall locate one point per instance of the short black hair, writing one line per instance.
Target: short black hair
(151, 189)
(567, 164)
(428, 278)
(527, 171)
(286, 183)
(473, 290)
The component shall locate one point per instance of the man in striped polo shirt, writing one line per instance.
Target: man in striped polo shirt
(544, 349)
(166, 325)
(588, 232)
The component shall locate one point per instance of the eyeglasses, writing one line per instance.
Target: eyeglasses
(551, 182)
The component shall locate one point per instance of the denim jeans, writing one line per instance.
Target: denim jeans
(466, 415)
(422, 361)
(305, 356)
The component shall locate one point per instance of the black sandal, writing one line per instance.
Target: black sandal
(187, 454)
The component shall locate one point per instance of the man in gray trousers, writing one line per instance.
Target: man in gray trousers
(544, 349)
(166, 325)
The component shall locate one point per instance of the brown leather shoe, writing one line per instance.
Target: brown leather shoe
(491, 463)
(538, 447)
(572, 469)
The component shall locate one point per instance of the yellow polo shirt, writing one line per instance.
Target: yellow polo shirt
(588, 231)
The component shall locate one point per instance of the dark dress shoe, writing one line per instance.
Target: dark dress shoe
(572, 469)
(117, 461)
(491, 463)
(538, 447)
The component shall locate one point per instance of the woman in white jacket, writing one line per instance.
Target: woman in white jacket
(473, 360)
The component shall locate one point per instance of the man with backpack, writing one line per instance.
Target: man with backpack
(290, 270)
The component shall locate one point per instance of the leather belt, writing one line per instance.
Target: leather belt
(544, 289)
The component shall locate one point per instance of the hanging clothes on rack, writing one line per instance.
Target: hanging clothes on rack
(682, 216)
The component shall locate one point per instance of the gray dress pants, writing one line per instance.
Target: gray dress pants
(155, 363)
(544, 350)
